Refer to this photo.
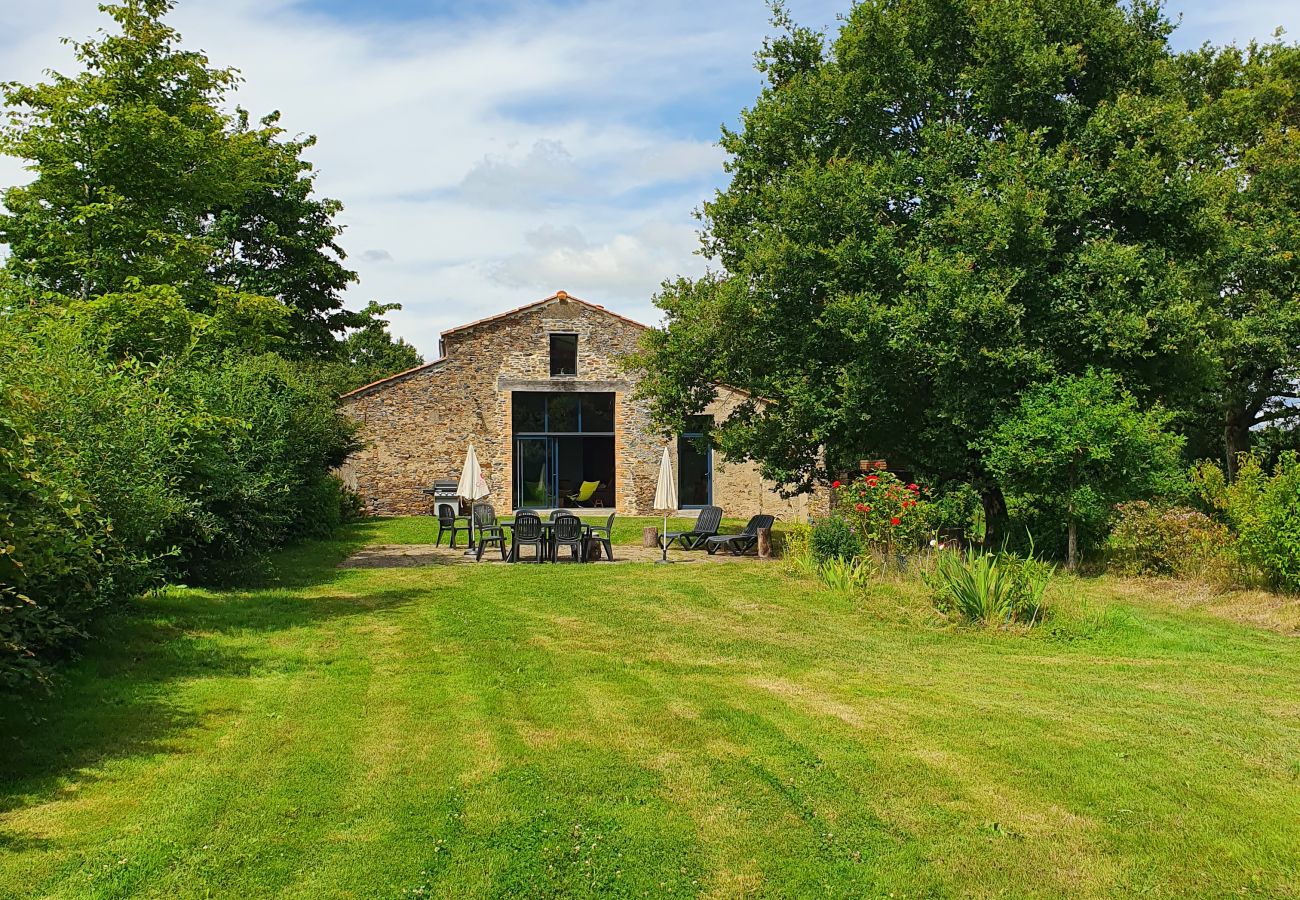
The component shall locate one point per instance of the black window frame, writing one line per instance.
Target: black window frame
(579, 397)
(697, 429)
(551, 347)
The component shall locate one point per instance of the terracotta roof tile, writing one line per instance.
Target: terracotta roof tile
(558, 295)
(393, 377)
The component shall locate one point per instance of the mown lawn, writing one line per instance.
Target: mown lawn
(627, 529)
(655, 731)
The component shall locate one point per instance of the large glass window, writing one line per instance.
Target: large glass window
(564, 354)
(564, 444)
(542, 412)
(529, 411)
(598, 412)
(562, 413)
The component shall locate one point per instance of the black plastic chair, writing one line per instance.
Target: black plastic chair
(742, 543)
(567, 531)
(706, 526)
(528, 533)
(449, 521)
(489, 532)
(556, 513)
(603, 533)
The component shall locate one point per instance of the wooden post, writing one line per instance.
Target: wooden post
(765, 543)
(650, 536)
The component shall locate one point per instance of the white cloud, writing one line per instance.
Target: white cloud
(564, 256)
(487, 161)
(546, 175)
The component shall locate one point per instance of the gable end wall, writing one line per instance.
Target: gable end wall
(417, 427)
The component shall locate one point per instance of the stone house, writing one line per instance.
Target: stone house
(540, 393)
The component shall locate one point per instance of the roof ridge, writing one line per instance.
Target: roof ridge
(393, 377)
(558, 295)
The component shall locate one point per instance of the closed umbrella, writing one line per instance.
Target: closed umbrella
(665, 496)
(472, 486)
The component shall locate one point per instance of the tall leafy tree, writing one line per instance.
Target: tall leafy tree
(953, 201)
(370, 351)
(1246, 106)
(141, 174)
(1078, 445)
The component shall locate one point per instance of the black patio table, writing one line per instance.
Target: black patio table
(547, 525)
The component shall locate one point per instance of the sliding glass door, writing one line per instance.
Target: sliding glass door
(563, 449)
(534, 473)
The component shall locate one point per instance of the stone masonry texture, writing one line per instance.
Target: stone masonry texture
(417, 425)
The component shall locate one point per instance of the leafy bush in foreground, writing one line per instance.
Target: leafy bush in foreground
(1263, 510)
(51, 558)
(1157, 539)
(118, 472)
(834, 538)
(258, 470)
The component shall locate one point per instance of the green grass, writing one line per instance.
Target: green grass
(655, 731)
(627, 529)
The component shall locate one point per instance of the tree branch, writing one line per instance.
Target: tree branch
(1285, 413)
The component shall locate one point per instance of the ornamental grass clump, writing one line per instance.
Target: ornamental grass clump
(990, 588)
(845, 575)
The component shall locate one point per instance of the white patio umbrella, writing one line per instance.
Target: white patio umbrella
(472, 486)
(665, 496)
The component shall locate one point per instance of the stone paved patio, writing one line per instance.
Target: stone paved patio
(396, 556)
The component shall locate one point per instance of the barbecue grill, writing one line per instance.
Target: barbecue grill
(443, 493)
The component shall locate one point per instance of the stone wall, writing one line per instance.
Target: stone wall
(417, 426)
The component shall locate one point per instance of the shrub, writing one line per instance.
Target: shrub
(1075, 448)
(957, 507)
(834, 538)
(1030, 577)
(1263, 510)
(117, 472)
(990, 588)
(51, 558)
(259, 468)
(1156, 539)
(885, 513)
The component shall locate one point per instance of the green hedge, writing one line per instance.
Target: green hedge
(120, 471)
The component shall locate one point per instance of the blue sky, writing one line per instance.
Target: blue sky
(489, 153)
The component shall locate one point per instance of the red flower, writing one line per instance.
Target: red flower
(872, 480)
(895, 521)
(866, 509)
(860, 508)
(835, 484)
(912, 487)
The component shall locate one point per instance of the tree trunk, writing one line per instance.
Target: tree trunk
(1236, 438)
(995, 512)
(1071, 557)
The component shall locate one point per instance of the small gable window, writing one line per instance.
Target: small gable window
(564, 354)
